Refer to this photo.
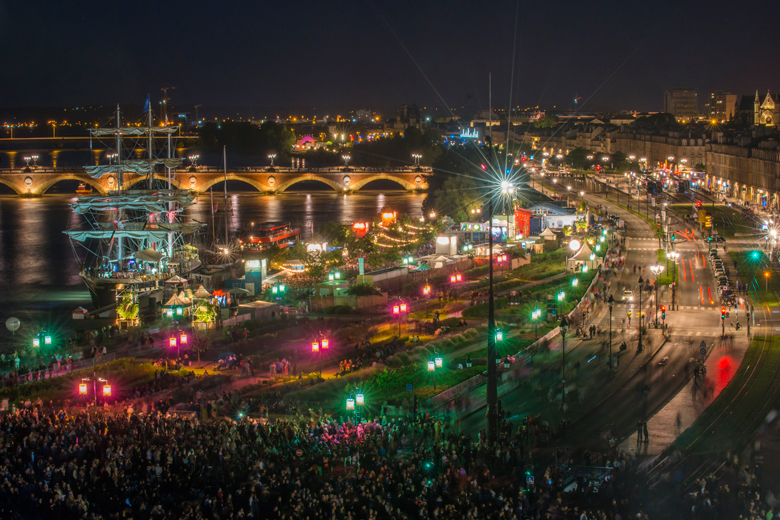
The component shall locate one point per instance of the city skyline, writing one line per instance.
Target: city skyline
(613, 57)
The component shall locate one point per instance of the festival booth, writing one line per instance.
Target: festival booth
(177, 307)
(584, 257)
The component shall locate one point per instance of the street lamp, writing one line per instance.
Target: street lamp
(656, 270)
(399, 310)
(320, 346)
(610, 302)
(417, 157)
(564, 327)
(194, 160)
(673, 256)
(535, 317)
(766, 281)
(346, 161)
(272, 156)
(639, 346)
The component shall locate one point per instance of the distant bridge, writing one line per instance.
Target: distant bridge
(36, 181)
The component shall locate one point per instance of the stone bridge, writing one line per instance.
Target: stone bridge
(36, 181)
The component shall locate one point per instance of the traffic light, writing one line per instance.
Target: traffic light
(663, 312)
(698, 204)
(673, 237)
(723, 313)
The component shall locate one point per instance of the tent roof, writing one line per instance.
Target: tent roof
(175, 301)
(583, 254)
(176, 279)
(201, 293)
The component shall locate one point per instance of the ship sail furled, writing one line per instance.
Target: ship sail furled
(157, 203)
(140, 167)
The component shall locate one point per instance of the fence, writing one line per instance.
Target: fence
(236, 319)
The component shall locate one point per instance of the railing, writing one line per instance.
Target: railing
(242, 169)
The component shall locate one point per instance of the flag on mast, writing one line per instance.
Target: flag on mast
(146, 105)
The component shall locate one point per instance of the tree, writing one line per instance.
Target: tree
(363, 289)
(548, 121)
(578, 158)
(700, 168)
(458, 196)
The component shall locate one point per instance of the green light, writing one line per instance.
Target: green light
(575, 282)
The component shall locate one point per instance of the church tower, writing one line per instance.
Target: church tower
(756, 110)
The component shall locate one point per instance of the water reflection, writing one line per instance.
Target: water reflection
(39, 272)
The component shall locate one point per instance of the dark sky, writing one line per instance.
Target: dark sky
(337, 55)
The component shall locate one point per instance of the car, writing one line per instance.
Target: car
(723, 279)
(628, 295)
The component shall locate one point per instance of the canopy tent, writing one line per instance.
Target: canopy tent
(148, 255)
(175, 301)
(183, 297)
(584, 256)
(201, 294)
(176, 279)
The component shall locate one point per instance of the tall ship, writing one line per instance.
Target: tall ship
(137, 236)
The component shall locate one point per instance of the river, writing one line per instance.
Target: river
(39, 280)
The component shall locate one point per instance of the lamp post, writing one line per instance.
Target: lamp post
(535, 317)
(346, 161)
(656, 269)
(83, 387)
(416, 157)
(610, 302)
(561, 298)
(641, 282)
(399, 309)
(433, 364)
(194, 160)
(320, 346)
(673, 256)
(272, 156)
(492, 383)
(564, 327)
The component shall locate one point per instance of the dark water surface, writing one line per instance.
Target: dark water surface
(39, 282)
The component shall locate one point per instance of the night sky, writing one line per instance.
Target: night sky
(331, 56)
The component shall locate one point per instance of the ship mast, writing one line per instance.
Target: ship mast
(119, 249)
(149, 130)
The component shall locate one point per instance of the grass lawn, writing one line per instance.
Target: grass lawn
(753, 266)
(744, 415)
(666, 276)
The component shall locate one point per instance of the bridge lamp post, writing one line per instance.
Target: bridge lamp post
(194, 160)
(346, 161)
(272, 156)
(27, 159)
(417, 157)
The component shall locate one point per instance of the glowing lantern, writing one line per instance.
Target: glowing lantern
(499, 336)
(396, 309)
(315, 347)
(172, 342)
(360, 399)
(47, 340)
(82, 389)
(431, 366)
(439, 362)
(324, 343)
(36, 342)
(403, 307)
(459, 278)
(183, 339)
(106, 390)
(350, 404)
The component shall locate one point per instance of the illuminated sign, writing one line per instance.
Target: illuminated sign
(469, 133)
(253, 263)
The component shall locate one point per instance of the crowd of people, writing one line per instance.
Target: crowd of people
(159, 466)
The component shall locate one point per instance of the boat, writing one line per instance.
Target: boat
(84, 189)
(133, 240)
(266, 234)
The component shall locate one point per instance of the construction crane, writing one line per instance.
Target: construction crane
(164, 103)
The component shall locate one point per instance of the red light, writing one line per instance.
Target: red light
(663, 308)
(484, 167)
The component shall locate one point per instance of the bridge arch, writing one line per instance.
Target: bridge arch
(309, 177)
(18, 189)
(231, 177)
(384, 176)
(45, 185)
(128, 185)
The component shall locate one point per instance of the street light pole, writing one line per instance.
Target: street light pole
(564, 327)
(639, 347)
(610, 302)
(492, 383)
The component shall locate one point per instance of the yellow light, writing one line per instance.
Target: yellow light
(82, 389)
(324, 343)
(172, 342)
(315, 347)
(106, 389)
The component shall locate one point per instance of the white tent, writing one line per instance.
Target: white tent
(201, 294)
(583, 257)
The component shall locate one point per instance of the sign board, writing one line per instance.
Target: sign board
(529, 479)
(708, 222)
(408, 388)
(703, 349)
(702, 216)
(299, 453)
